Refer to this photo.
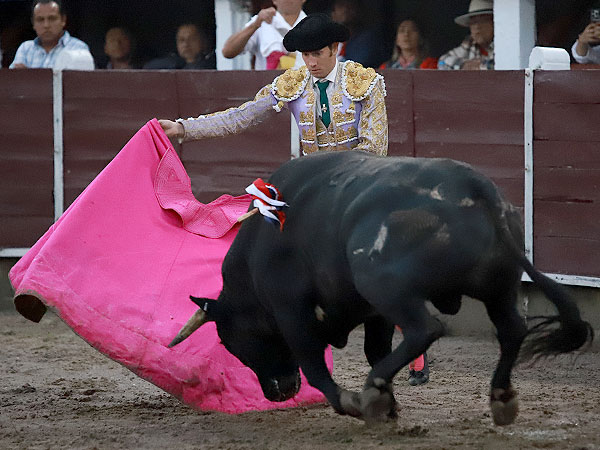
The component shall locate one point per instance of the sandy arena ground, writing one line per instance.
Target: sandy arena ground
(58, 392)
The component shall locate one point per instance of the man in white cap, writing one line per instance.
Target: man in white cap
(477, 50)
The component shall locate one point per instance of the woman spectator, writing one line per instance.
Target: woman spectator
(119, 46)
(410, 51)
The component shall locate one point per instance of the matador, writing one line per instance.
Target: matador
(337, 105)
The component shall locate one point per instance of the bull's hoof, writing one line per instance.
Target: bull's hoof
(350, 403)
(504, 405)
(377, 403)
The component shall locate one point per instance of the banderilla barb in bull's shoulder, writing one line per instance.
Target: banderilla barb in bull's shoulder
(247, 215)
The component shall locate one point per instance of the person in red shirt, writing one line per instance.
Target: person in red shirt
(410, 51)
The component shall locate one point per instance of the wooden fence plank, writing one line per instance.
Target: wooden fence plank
(563, 86)
(583, 155)
(102, 111)
(399, 104)
(567, 255)
(570, 220)
(26, 159)
(566, 122)
(567, 185)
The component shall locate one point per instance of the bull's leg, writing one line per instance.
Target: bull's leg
(420, 329)
(378, 339)
(309, 352)
(310, 357)
(511, 331)
(378, 344)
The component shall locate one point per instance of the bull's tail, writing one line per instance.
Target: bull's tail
(552, 335)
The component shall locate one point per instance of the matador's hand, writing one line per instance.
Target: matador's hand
(172, 129)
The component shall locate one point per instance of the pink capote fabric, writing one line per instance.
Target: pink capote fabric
(119, 265)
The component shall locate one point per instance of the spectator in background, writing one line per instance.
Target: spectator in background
(411, 50)
(586, 49)
(193, 51)
(263, 36)
(367, 42)
(119, 46)
(477, 50)
(53, 47)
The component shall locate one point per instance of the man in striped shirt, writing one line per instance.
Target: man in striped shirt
(52, 41)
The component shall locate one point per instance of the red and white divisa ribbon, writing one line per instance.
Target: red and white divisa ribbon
(268, 200)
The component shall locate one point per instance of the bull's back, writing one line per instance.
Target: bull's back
(426, 218)
(332, 184)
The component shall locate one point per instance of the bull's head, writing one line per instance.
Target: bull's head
(254, 339)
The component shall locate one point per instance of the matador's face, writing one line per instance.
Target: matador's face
(320, 62)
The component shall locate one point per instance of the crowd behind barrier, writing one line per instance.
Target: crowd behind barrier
(371, 43)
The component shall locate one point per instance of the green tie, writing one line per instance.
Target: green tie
(322, 85)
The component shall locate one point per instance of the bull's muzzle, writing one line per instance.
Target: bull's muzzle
(281, 389)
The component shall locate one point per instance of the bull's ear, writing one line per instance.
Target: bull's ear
(205, 304)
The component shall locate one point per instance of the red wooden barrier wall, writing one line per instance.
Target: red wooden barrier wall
(476, 117)
(26, 156)
(567, 172)
(102, 110)
(472, 116)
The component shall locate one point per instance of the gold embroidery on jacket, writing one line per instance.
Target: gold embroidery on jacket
(336, 98)
(373, 124)
(308, 134)
(310, 98)
(342, 136)
(358, 79)
(307, 117)
(309, 148)
(289, 84)
(341, 118)
(264, 92)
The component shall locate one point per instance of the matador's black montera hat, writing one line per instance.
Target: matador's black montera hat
(313, 33)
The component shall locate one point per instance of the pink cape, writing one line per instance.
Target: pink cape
(118, 268)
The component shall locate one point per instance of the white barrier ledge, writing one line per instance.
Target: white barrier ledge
(13, 252)
(549, 58)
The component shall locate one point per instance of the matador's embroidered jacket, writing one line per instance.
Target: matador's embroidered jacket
(357, 110)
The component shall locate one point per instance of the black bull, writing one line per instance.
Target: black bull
(368, 240)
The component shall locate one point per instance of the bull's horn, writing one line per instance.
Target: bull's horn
(196, 321)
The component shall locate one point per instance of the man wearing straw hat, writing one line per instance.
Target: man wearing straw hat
(477, 50)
